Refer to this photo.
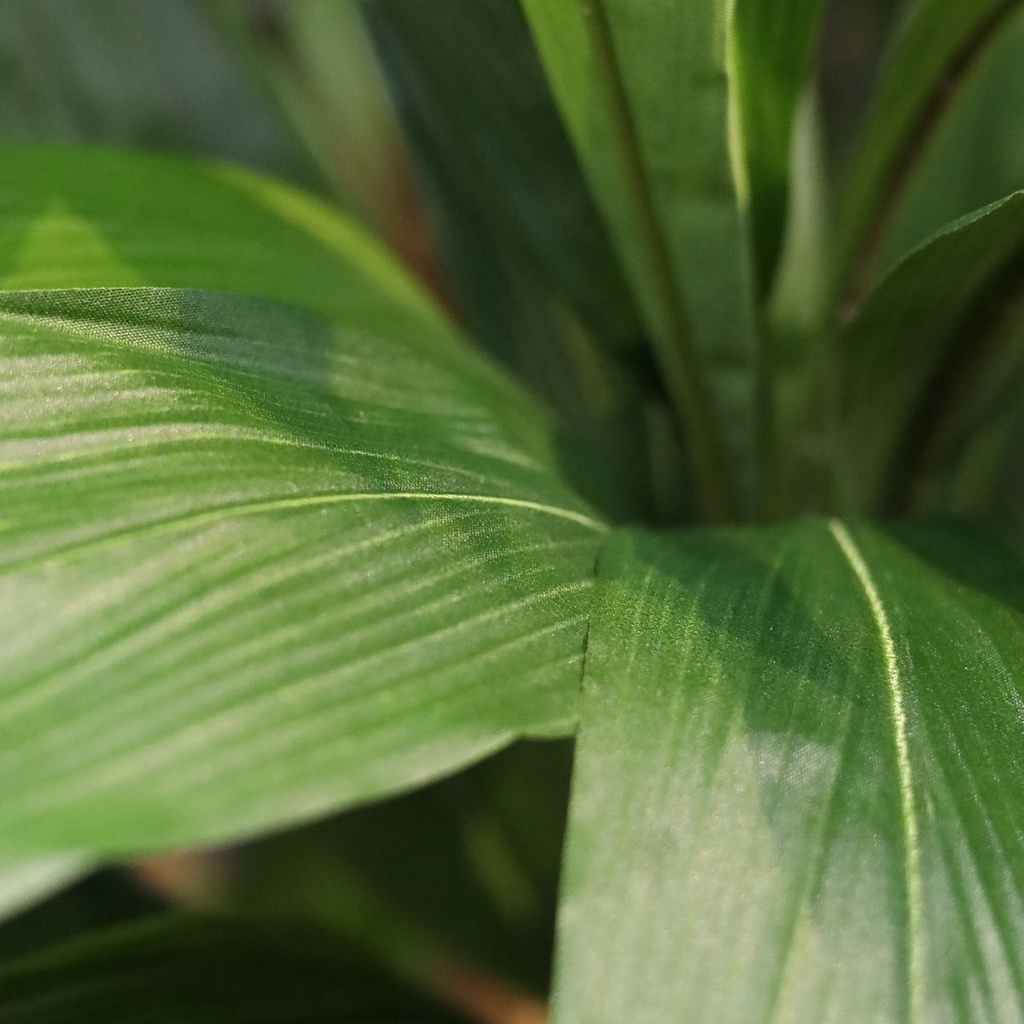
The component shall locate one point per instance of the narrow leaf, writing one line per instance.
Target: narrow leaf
(481, 116)
(976, 156)
(255, 565)
(772, 49)
(917, 354)
(936, 47)
(644, 93)
(797, 786)
(204, 971)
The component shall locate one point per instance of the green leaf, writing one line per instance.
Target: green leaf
(935, 48)
(65, 222)
(256, 564)
(976, 156)
(479, 111)
(317, 62)
(797, 783)
(643, 90)
(533, 272)
(772, 45)
(204, 971)
(923, 349)
(134, 73)
(23, 883)
(488, 844)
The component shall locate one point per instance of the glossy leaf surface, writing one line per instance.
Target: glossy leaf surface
(205, 971)
(255, 564)
(798, 779)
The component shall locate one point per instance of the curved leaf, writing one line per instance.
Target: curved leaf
(935, 49)
(976, 156)
(23, 883)
(80, 218)
(798, 778)
(205, 971)
(920, 349)
(255, 565)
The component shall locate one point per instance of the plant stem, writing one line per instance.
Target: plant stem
(672, 336)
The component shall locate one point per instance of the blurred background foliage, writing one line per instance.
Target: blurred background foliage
(439, 133)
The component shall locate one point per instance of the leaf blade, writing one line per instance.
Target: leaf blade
(204, 969)
(658, 162)
(266, 551)
(919, 354)
(936, 47)
(833, 831)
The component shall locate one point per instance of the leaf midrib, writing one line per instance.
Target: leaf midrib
(911, 837)
(234, 511)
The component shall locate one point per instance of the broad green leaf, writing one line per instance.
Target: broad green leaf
(797, 784)
(924, 348)
(256, 564)
(205, 971)
(77, 217)
(772, 45)
(644, 93)
(935, 47)
(23, 883)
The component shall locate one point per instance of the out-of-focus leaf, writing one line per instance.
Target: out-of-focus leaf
(772, 47)
(316, 60)
(934, 48)
(977, 155)
(488, 847)
(103, 897)
(533, 273)
(134, 73)
(643, 90)
(480, 112)
(797, 784)
(76, 217)
(256, 565)
(920, 355)
(23, 883)
(205, 971)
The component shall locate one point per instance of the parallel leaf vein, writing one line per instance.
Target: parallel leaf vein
(912, 844)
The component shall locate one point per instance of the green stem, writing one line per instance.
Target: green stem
(672, 338)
